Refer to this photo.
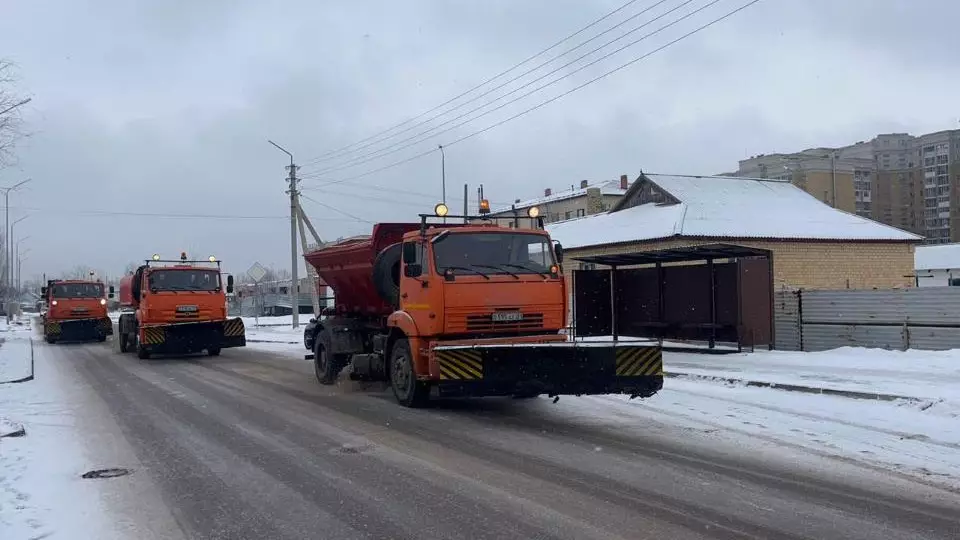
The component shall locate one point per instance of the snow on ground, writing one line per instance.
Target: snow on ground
(275, 330)
(41, 492)
(930, 375)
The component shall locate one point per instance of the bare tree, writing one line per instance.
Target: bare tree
(11, 120)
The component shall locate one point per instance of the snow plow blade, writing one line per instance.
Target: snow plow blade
(78, 329)
(194, 336)
(589, 368)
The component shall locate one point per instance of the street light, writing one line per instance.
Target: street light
(12, 252)
(6, 203)
(20, 259)
(294, 211)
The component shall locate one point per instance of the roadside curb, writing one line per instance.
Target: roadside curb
(269, 341)
(32, 370)
(797, 388)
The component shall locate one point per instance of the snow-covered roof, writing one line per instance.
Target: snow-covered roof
(607, 188)
(723, 207)
(939, 257)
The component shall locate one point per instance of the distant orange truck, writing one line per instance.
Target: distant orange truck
(76, 311)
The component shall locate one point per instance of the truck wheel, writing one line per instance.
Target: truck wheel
(101, 338)
(50, 339)
(142, 352)
(325, 365)
(406, 388)
(214, 351)
(124, 344)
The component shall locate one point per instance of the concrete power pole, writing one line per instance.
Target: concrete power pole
(294, 215)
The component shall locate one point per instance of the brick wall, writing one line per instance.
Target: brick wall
(808, 265)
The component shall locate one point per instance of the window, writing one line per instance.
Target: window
(77, 290)
(581, 212)
(588, 266)
(493, 253)
(954, 282)
(568, 214)
(185, 280)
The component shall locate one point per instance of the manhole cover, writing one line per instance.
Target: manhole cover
(107, 473)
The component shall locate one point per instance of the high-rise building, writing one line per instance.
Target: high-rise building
(912, 183)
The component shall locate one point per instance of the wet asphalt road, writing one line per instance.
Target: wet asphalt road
(248, 445)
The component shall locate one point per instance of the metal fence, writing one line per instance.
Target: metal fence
(918, 318)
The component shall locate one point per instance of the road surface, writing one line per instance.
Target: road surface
(248, 445)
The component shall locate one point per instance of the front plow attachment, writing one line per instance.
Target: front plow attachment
(194, 336)
(77, 329)
(571, 368)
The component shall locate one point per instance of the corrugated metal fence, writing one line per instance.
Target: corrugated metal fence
(918, 318)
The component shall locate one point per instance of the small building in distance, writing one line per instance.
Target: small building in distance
(573, 203)
(937, 265)
(809, 244)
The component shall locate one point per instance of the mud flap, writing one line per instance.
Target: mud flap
(194, 336)
(553, 369)
(78, 329)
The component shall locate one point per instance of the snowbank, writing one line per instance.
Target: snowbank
(274, 330)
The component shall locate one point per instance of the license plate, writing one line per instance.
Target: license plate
(507, 316)
(186, 309)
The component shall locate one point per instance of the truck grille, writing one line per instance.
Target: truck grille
(485, 323)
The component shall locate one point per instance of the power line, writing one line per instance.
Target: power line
(495, 77)
(337, 210)
(147, 214)
(547, 102)
(383, 152)
(503, 84)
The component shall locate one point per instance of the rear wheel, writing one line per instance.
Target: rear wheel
(124, 343)
(406, 388)
(325, 365)
(213, 351)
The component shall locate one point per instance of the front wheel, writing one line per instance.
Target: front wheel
(142, 352)
(403, 378)
(325, 365)
(214, 351)
(124, 342)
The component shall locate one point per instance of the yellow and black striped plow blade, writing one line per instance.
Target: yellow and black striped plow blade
(233, 327)
(639, 361)
(460, 365)
(153, 336)
(52, 328)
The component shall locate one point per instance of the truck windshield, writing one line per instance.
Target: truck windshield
(184, 280)
(494, 253)
(78, 290)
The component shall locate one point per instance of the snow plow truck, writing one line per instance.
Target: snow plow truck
(76, 311)
(177, 307)
(469, 309)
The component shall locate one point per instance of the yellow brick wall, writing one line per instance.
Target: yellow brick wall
(807, 265)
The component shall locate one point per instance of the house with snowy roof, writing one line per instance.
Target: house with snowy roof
(809, 244)
(937, 265)
(578, 201)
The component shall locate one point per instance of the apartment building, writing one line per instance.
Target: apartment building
(572, 203)
(909, 182)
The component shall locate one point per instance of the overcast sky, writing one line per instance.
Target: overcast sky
(147, 107)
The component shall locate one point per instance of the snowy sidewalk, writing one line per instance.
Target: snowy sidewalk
(922, 375)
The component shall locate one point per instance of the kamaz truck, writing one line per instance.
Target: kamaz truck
(177, 307)
(76, 311)
(471, 308)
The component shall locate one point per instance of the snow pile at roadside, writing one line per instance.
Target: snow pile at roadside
(274, 330)
(929, 375)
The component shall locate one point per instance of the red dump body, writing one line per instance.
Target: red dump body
(347, 268)
(126, 292)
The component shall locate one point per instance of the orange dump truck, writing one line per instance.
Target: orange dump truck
(76, 311)
(465, 309)
(174, 307)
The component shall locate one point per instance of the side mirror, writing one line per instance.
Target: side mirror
(313, 320)
(558, 252)
(412, 270)
(110, 294)
(229, 284)
(43, 291)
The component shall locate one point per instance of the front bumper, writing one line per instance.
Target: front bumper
(193, 336)
(569, 368)
(77, 329)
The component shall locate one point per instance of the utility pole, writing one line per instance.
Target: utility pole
(9, 246)
(466, 199)
(294, 213)
(443, 177)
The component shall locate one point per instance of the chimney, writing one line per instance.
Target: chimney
(583, 184)
(624, 182)
(547, 192)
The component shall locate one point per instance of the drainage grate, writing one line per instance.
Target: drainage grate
(106, 473)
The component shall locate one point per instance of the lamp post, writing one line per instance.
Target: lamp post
(19, 262)
(6, 203)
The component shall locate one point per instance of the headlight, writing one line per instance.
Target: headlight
(533, 211)
(441, 210)
(103, 301)
(53, 303)
(156, 256)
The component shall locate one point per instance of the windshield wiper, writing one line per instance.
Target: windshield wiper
(498, 267)
(522, 267)
(468, 270)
